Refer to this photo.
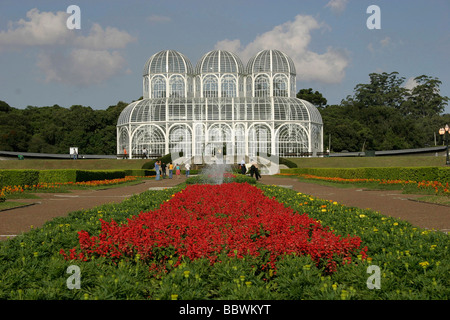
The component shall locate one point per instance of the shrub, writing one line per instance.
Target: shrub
(288, 163)
(89, 175)
(388, 173)
(139, 172)
(22, 177)
(58, 175)
(18, 177)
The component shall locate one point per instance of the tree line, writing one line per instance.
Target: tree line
(380, 115)
(54, 129)
(383, 114)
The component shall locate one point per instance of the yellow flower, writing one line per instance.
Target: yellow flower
(174, 296)
(424, 264)
(186, 273)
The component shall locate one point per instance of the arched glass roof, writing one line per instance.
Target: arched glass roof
(168, 61)
(294, 109)
(271, 61)
(284, 109)
(219, 61)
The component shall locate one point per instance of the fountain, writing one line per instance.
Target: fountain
(216, 171)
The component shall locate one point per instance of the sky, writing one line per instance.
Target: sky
(44, 60)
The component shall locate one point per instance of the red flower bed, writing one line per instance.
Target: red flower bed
(203, 221)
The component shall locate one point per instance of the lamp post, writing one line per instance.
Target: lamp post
(445, 132)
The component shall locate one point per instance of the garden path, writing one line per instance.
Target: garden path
(387, 202)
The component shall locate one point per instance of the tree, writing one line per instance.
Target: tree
(316, 98)
(424, 99)
(384, 89)
(4, 107)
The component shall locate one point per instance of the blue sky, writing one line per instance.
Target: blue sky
(42, 62)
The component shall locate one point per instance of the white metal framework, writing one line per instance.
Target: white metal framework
(220, 106)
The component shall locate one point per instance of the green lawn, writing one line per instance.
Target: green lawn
(8, 205)
(382, 161)
(82, 164)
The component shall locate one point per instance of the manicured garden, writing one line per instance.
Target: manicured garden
(237, 240)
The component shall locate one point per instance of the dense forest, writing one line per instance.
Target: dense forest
(380, 115)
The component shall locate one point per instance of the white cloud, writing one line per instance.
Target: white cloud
(337, 6)
(39, 29)
(101, 39)
(80, 66)
(293, 38)
(66, 55)
(410, 83)
(385, 43)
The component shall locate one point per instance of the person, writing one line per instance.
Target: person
(124, 153)
(256, 170)
(157, 169)
(177, 171)
(252, 170)
(145, 153)
(170, 170)
(188, 168)
(243, 168)
(163, 170)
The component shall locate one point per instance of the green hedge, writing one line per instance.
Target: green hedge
(32, 177)
(89, 175)
(16, 177)
(391, 173)
(59, 175)
(139, 172)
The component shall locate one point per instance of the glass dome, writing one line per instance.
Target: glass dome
(220, 105)
(271, 61)
(219, 61)
(168, 61)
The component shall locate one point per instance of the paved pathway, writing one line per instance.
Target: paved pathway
(392, 203)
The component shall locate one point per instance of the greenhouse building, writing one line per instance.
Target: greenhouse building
(220, 107)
